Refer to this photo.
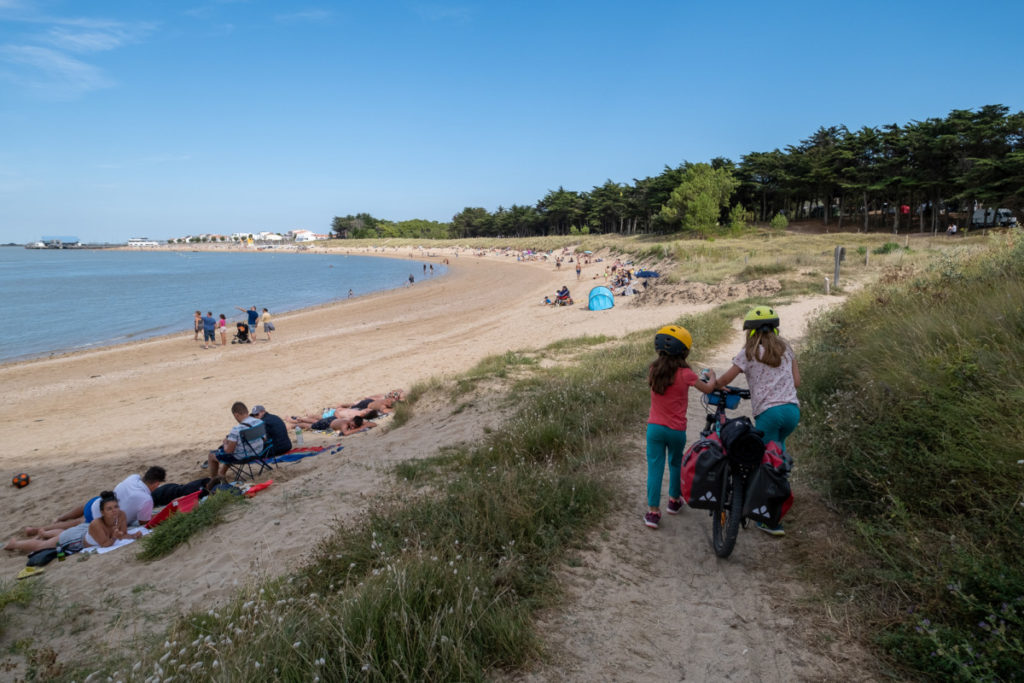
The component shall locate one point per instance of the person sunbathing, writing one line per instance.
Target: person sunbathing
(380, 402)
(325, 419)
(111, 525)
(352, 426)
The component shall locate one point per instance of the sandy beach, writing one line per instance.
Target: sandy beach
(82, 422)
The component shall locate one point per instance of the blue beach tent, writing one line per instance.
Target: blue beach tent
(601, 298)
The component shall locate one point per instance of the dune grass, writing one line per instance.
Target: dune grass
(16, 593)
(912, 399)
(178, 529)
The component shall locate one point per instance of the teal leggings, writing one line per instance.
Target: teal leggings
(777, 423)
(661, 439)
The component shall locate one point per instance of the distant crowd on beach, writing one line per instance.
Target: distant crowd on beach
(208, 326)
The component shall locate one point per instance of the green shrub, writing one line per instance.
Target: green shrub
(181, 527)
(887, 248)
(911, 400)
(779, 222)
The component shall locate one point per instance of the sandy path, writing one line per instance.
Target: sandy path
(658, 605)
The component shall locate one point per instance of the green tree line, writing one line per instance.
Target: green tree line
(888, 177)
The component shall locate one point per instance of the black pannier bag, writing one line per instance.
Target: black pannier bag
(742, 441)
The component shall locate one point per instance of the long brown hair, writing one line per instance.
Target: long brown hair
(663, 370)
(773, 347)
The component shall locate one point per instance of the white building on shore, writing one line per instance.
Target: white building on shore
(140, 242)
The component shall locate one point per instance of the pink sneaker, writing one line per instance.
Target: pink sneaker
(651, 519)
(674, 506)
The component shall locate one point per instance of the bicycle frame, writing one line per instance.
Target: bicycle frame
(727, 517)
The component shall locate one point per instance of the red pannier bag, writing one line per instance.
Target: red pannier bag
(703, 468)
(769, 496)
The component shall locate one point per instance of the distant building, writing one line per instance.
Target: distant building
(61, 242)
(142, 242)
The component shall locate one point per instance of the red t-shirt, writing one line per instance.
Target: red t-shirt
(669, 409)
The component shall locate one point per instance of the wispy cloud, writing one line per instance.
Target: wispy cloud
(51, 72)
(304, 15)
(85, 36)
(45, 63)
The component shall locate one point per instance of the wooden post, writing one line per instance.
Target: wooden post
(840, 255)
(826, 285)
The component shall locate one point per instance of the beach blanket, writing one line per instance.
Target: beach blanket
(183, 504)
(256, 488)
(299, 453)
(117, 544)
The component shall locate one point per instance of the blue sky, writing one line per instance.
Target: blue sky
(157, 118)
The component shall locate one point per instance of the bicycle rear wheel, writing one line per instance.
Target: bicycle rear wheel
(725, 520)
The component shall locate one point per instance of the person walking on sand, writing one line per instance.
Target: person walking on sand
(670, 379)
(198, 325)
(579, 270)
(773, 376)
(222, 326)
(268, 326)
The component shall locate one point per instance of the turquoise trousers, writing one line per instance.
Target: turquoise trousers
(778, 422)
(661, 441)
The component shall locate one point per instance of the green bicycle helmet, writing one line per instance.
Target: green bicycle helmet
(762, 318)
(673, 340)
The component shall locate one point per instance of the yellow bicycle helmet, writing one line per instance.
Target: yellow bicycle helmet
(673, 340)
(762, 318)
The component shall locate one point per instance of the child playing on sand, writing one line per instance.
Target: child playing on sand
(772, 374)
(670, 379)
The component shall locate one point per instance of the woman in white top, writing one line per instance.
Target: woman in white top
(111, 525)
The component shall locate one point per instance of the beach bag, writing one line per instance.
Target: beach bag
(41, 558)
(742, 441)
(703, 468)
(769, 495)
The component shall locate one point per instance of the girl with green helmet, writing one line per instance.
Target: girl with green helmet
(772, 374)
(670, 379)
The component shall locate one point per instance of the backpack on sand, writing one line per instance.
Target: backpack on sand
(703, 467)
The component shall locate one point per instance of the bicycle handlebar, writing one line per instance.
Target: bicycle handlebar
(743, 393)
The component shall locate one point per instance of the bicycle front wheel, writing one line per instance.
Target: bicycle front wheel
(725, 524)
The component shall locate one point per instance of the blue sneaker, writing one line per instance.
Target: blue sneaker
(777, 531)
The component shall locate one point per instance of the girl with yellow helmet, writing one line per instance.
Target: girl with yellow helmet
(772, 374)
(670, 379)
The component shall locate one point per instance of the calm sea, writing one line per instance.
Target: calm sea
(62, 300)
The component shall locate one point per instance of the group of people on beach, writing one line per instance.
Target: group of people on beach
(772, 374)
(352, 417)
(108, 517)
(209, 326)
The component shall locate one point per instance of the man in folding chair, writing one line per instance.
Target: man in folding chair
(245, 442)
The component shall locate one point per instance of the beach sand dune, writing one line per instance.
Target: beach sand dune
(82, 422)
